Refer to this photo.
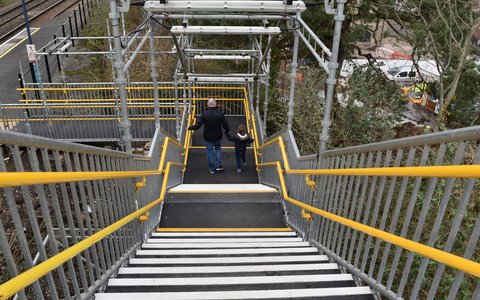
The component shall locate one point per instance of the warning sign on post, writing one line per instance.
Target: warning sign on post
(32, 53)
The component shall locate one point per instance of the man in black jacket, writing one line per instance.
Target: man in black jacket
(214, 120)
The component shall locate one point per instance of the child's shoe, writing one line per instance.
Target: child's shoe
(244, 163)
(239, 170)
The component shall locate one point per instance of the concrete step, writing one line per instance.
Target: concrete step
(231, 265)
(324, 293)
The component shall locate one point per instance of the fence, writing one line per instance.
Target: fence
(90, 112)
(430, 211)
(72, 27)
(67, 211)
(87, 122)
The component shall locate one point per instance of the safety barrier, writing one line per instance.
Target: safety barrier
(373, 212)
(87, 122)
(96, 206)
(91, 112)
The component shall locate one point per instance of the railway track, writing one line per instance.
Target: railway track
(12, 19)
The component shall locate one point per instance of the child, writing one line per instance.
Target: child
(241, 139)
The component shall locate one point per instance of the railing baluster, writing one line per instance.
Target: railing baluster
(88, 220)
(32, 154)
(77, 213)
(92, 208)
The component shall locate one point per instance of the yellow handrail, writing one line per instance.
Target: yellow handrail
(166, 142)
(188, 137)
(457, 262)
(9, 179)
(249, 117)
(23, 280)
(468, 171)
(456, 171)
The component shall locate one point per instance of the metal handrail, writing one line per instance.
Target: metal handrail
(457, 262)
(457, 171)
(9, 179)
(23, 280)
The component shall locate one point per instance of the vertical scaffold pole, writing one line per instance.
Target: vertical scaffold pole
(332, 70)
(153, 66)
(293, 77)
(177, 110)
(259, 82)
(267, 86)
(120, 76)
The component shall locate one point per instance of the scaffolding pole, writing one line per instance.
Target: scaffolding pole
(331, 80)
(293, 78)
(120, 79)
(153, 67)
(267, 86)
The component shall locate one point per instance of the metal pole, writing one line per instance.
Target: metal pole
(27, 22)
(47, 66)
(22, 86)
(120, 76)
(293, 78)
(153, 67)
(332, 66)
(71, 30)
(259, 82)
(177, 110)
(267, 86)
(180, 54)
(80, 15)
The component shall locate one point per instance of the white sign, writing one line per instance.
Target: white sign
(32, 53)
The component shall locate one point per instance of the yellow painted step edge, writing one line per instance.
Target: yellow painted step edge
(221, 191)
(170, 229)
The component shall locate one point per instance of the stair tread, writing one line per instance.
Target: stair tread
(227, 269)
(223, 240)
(223, 245)
(228, 280)
(224, 234)
(222, 260)
(228, 251)
(250, 294)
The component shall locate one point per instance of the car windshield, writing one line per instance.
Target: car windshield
(393, 71)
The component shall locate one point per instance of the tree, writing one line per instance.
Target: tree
(368, 110)
(438, 29)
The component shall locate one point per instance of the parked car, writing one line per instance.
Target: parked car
(402, 76)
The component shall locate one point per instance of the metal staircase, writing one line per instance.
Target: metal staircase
(231, 265)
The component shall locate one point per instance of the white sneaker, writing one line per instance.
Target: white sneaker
(239, 170)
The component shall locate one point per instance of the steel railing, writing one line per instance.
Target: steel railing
(91, 112)
(354, 222)
(96, 205)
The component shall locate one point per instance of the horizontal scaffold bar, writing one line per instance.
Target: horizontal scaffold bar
(224, 30)
(225, 6)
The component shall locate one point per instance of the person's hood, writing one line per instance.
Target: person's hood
(242, 136)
